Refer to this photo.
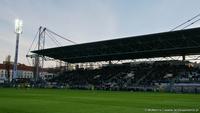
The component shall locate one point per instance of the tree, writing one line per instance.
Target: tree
(8, 67)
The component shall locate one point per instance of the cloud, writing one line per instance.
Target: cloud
(88, 20)
(80, 21)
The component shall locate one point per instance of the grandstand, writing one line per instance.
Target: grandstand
(173, 75)
(175, 43)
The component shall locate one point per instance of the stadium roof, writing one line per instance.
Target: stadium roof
(174, 43)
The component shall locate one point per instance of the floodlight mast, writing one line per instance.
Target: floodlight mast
(18, 31)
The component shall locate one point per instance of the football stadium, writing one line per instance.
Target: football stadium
(123, 71)
(155, 72)
(119, 83)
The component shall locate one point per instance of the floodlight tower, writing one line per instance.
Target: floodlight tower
(18, 31)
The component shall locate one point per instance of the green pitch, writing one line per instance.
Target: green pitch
(80, 101)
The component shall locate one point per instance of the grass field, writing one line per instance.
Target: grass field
(80, 101)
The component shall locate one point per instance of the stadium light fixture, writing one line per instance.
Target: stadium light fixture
(18, 31)
(18, 26)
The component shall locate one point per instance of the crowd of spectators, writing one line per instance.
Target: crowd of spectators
(131, 76)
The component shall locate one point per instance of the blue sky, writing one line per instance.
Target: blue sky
(89, 20)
